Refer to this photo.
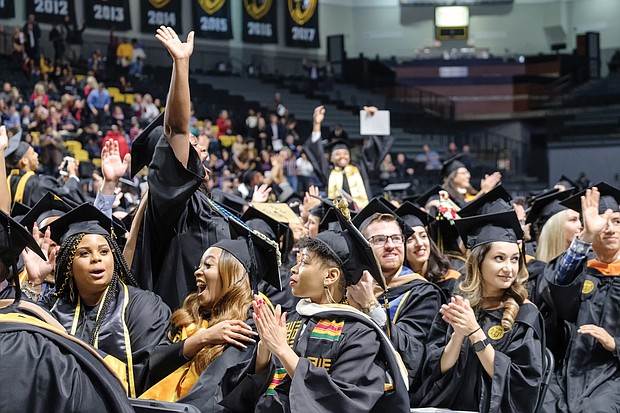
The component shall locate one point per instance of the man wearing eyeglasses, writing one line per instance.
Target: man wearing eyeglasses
(413, 301)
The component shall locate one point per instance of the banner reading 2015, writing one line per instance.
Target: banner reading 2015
(259, 21)
(302, 23)
(105, 14)
(51, 11)
(212, 19)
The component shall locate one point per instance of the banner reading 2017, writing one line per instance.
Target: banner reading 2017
(212, 19)
(259, 21)
(302, 23)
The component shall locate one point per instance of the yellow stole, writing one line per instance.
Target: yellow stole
(21, 185)
(179, 382)
(356, 185)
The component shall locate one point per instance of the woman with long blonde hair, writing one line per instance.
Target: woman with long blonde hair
(486, 352)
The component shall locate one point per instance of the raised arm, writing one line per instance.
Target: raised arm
(178, 105)
(5, 197)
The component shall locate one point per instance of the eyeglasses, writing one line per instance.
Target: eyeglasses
(380, 240)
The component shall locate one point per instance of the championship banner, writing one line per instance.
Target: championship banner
(7, 9)
(212, 19)
(302, 23)
(105, 14)
(51, 11)
(155, 13)
(260, 21)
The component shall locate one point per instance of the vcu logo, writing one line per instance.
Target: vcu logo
(158, 4)
(301, 11)
(257, 9)
(211, 6)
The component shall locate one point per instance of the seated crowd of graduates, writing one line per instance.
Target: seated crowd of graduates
(240, 305)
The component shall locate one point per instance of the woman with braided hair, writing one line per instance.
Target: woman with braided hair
(485, 349)
(96, 297)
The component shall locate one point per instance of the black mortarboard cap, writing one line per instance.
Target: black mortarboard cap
(233, 203)
(495, 227)
(387, 203)
(322, 209)
(566, 182)
(496, 199)
(49, 206)
(545, 192)
(143, 147)
(337, 144)
(451, 165)
(265, 224)
(19, 210)
(377, 206)
(413, 215)
(85, 219)
(424, 198)
(259, 255)
(610, 198)
(353, 252)
(545, 207)
(20, 238)
(16, 149)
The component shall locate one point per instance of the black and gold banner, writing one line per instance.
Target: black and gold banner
(105, 14)
(51, 11)
(302, 23)
(212, 19)
(260, 21)
(155, 13)
(7, 9)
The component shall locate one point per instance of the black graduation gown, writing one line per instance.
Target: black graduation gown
(180, 223)
(518, 367)
(413, 307)
(590, 377)
(43, 371)
(145, 320)
(535, 270)
(38, 185)
(342, 368)
(285, 297)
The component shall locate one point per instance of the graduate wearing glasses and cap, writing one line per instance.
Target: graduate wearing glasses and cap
(486, 345)
(96, 298)
(340, 174)
(35, 349)
(586, 292)
(324, 356)
(28, 187)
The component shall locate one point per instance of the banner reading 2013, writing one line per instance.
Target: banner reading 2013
(157, 13)
(105, 14)
(259, 21)
(302, 23)
(212, 19)
(51, 11)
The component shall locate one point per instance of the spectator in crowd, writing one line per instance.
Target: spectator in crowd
(337, 133)
(468, 157)
(149, 110)
(403, 169)
(13, 120)
(6, 93)
(19, 46)
(429, 157)
(74, 38)
(224, 124)
(57, 37)
(99, 102)
(124, 54)
(96, 63)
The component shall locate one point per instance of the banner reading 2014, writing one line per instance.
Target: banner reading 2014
(212, 19)
(51, 11)
(157, 13)
(302, 23)
(105, 14)
(259, 21)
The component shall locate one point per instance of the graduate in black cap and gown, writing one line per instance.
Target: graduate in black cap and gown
(456, 180)
(35, 349)
(28, 187)
(339, 174)
(486, 345)
(324, 356)
(587, 292)
(214, 328)
(96, 297)
(180, 220)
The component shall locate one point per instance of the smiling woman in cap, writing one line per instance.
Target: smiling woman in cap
(486, 352)
(324, 356)
(96, 298)
(586, 292)
(456, 180)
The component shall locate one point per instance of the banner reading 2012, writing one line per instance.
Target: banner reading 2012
(155, 13)
(51, 11)
(7, 9)
(302, 23)
(105, 14)
(212, 19)
(259, 21)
